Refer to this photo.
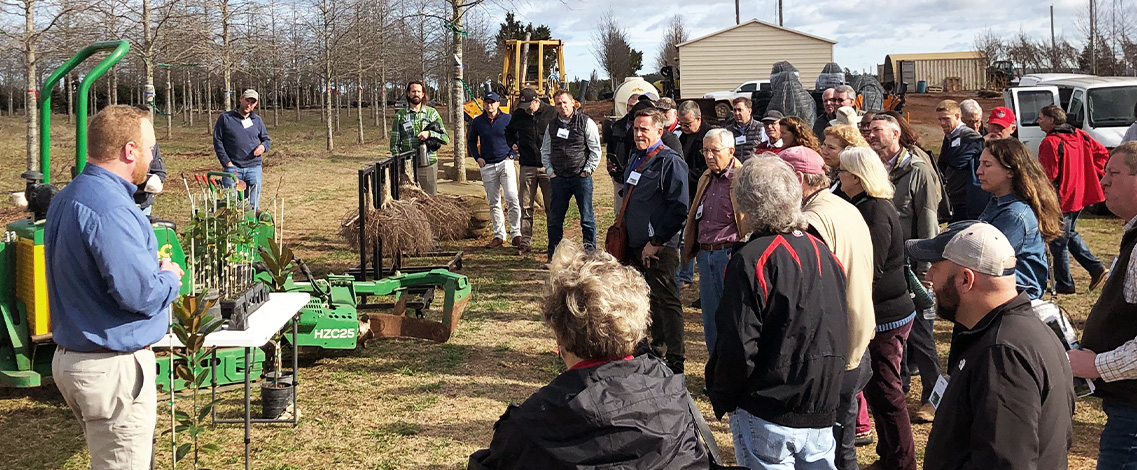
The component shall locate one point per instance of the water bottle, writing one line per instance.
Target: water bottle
(930, 312)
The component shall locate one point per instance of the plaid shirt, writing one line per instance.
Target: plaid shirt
(408, 124)
(1121, 363)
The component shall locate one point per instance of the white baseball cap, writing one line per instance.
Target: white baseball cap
(977, 246)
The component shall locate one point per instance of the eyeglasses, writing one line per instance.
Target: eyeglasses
(708, 151)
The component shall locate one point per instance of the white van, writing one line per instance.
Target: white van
(1100, 106)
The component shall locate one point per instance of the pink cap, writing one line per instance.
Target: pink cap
(803, 159)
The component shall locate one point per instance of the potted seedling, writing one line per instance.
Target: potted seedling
(275, 391)
(193, 323)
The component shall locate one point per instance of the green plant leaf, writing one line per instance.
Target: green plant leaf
(184, 372)
(182, 451)
(204, 411)
(211, 447)
(179, 414)
(202, 375)
(181, 334)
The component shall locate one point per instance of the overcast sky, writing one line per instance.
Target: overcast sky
(865, 30)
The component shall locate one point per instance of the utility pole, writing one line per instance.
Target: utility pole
(781, 21)
(736, 17)
(1093, 39)
(1053, 44)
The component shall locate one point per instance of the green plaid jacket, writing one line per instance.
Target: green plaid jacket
(408, 124)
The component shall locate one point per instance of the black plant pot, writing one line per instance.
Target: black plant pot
(275, 398)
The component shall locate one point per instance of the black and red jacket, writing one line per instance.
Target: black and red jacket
(782, 332)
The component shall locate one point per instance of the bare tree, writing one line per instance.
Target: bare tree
(29, 39)
(675, 34)
(612, 50)
(991, 45)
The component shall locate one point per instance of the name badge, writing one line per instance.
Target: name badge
(634, 178)
(563, 133)
(247, 123)
(699, 212)
(740, 140)
(955, 142)
(938, 392)
(407, 126)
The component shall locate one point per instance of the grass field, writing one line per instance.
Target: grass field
(399, 404)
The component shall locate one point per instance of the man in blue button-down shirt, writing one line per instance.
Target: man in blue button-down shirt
(108, 292)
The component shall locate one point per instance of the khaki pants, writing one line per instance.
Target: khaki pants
(532, 179)
(114, 397)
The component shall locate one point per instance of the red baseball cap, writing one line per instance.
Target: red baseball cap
(1002, 116)
(803, 159)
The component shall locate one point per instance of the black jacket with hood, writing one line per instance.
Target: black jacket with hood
(623, 414)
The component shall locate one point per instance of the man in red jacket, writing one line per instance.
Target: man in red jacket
(1075, 162)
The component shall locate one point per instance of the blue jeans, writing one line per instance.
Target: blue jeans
(1117, 449)
(1071, 242)
(760, 444)
(712, 266)
(563, 188)
(686, 271)
(252, 177)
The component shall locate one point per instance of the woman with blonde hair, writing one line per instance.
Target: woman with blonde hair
(609, 408)
(866, 184)
(1024, 207)
(836, 140)
(796, 132)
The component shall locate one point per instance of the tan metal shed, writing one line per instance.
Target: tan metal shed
(933, 68)
(725, 59)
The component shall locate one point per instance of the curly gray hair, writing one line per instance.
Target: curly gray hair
(769, 194)
(598, 308)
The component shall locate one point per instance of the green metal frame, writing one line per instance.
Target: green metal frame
(118, 51)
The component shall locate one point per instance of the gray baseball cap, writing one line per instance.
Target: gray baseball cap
(974, 245)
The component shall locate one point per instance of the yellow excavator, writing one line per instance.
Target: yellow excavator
(518, 72)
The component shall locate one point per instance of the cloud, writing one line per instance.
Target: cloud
(866, 30)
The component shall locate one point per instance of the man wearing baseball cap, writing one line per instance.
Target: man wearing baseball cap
(1010, 396)
(773, 142)
(239, 139)
(524, 133)
(840, 225)
(487, 144)
(1001, 124)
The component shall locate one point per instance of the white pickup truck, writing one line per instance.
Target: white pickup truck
(723, 98)
(1101, 106)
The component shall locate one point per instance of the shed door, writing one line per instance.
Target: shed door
(908, 73)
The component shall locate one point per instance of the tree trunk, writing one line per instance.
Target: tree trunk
(169, 105)
(459, 124)
(69, 88)
(359, 107)
(299, 93)
(209, 102)
(30, 94)
(226, 55)
(328, 72)
(114, 85)
(383, 98)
